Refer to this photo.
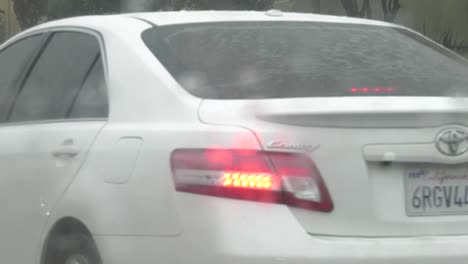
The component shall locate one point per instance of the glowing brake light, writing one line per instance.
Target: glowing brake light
(248, 180)
(273, 177)
(373, 90)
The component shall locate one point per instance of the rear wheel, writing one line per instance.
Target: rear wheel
(77, 259)
(74, 249)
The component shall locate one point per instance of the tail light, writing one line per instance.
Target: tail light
(273, 177)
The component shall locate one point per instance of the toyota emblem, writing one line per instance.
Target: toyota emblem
(452, 142)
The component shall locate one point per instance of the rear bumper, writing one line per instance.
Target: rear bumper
(124, 250)
(228, 231)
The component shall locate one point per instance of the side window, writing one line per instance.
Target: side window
(56, 78)
(13, 61)
(91, 101)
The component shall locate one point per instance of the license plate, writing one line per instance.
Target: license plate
(441, 190)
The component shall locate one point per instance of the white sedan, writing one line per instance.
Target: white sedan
(231, 137)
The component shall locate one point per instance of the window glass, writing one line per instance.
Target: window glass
(56, 78)
(247, 60)
(91, 101)
(13, 61)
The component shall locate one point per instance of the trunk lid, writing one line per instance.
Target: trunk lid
(366, 148)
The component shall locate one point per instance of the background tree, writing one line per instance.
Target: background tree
(236, 4)
(390, 9)
(154, 5)
(450, 40)
(68, 8)
(3, 31)
(142, 5)
(29, 12)
(305, 6)
(107, 6)
(353, 9)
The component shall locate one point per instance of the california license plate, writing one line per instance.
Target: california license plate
(441, 190)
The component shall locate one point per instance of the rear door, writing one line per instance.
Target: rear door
(56, 115)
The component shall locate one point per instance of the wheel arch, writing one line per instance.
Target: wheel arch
(65, 225)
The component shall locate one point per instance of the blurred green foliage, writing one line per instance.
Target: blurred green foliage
(68, 8)
(31, 12)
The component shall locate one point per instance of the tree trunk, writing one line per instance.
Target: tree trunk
(306, 6)
(353, 9)
(28, 12)
(390, 9)
(235, 4)
(140, 5)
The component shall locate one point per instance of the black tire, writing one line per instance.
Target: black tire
(80, 248)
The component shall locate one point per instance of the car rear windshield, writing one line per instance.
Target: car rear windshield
(252, 60)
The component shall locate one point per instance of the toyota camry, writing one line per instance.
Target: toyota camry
(231, 137)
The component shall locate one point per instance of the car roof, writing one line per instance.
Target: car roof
(183, 17)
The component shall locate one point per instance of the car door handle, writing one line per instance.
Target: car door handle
(66, 151)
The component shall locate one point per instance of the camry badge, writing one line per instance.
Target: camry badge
(278, 144)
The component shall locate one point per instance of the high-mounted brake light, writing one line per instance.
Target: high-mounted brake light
(274, 177)
(372, 90)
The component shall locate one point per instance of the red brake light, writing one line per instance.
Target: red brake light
(275, 177)
(375, 90)
(248, 180)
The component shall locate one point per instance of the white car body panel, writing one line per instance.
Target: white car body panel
(135, 215)
(259, 233)
(370, 201)
(31, 160)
